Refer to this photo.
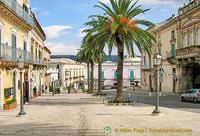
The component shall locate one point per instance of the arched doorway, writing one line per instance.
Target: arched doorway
(26, 87)
(192, 76)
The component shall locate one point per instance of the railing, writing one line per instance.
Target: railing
(39, 61)
(145, 68)
(9, 53)
(17, 8)
(171, 55)
(191, 51)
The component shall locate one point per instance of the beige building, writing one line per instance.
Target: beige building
(178, 40)
(67, 72)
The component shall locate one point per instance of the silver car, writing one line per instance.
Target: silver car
(191, 95)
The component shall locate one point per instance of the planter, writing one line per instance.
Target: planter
(75, 92)
(9, 106)
(68, 92)
(83, 92)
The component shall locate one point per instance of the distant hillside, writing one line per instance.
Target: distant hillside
(112, 58)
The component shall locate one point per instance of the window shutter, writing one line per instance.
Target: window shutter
(102, 74)
(173, 50)
(132, 74)
(115, 74)
(159, 51)
(90, 75)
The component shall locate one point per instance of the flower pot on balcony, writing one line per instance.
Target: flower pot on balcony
(9, 106)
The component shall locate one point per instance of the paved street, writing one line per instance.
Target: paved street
(167, 100)
(85, 115)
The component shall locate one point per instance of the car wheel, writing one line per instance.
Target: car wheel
(195, 100)
(182, 99)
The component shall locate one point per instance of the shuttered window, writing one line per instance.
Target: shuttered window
(173, 50)
(90, 75)
(115, 74)
(132, 74)
(159, 51)
(102, 74)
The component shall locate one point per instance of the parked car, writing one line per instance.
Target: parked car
(191, 95)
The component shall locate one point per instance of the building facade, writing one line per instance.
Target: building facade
(178, 40)
(131, 73)
(67, 72)
(17, 25)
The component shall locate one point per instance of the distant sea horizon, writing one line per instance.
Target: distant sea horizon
(112, 58)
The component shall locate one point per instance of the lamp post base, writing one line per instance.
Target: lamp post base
(22, 112)
(156, 112)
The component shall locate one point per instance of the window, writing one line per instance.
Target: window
(25, 8)
(25, 49)
(131, 74)
(39, 54)
(0, 35)
(185, 41)
(90, 75)
(191, 38)
(36, 53)
(31, 48)
(159, 51)
(102, 74)
(115, 74)
(173, 50)
(172, 35)
(14, 46)
(198, 36)
(70, 74)
(159, 40)
(145, 61)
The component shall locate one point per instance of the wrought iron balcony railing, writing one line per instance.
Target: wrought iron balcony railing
(17, 8)
(39, 61)
(9, 53)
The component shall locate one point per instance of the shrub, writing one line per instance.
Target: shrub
(57, 90)
(69, 89)
(11, 101)
(50, 88)
(83, 89)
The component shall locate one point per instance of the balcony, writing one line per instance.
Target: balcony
(7, 53)
(39, 61)
(145, 68)
(188, 54)
(171, 57)
(17, 9)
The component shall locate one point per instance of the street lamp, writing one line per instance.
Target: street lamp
(157, 62)
(21, 66)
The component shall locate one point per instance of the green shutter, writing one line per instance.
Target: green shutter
(132, 74)
(90, 75)
(31, 48)
(39, 54)
(145, 61)
(115, 74)
(173, 50)
(58, 75)
(159, 51)
(14, 47)
(102, 74)
(36, 53)
(70, 73)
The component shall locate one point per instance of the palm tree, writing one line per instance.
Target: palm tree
(121, 30)
(82, 56)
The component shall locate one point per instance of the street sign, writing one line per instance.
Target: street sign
(31, 80)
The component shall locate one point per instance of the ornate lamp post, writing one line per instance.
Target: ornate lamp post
(157, 61)
(21, 66)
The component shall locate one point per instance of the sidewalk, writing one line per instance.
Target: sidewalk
(85, 115)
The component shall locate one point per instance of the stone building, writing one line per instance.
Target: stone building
(178, 40)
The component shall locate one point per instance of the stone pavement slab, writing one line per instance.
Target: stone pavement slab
(85, 115)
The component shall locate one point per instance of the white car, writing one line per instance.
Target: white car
(191, 95)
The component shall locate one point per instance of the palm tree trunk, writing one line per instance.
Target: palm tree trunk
(88, 75)
(92, 77)
(119, 96)
(100, 74)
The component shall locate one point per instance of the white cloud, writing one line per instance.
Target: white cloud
(61, 48)
(55, 31)
(81, 33)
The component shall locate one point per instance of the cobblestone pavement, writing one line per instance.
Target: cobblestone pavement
(86, 115)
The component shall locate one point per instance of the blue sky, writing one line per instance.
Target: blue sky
(62, 20)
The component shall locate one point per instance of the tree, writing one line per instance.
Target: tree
(121, 30)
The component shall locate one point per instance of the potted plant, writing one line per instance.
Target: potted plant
(69, 89)
(75, 91)
(83, 89)
(50, 88)
(10, 105)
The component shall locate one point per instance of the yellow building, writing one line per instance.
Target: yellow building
(20, 35)
(15, 23)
